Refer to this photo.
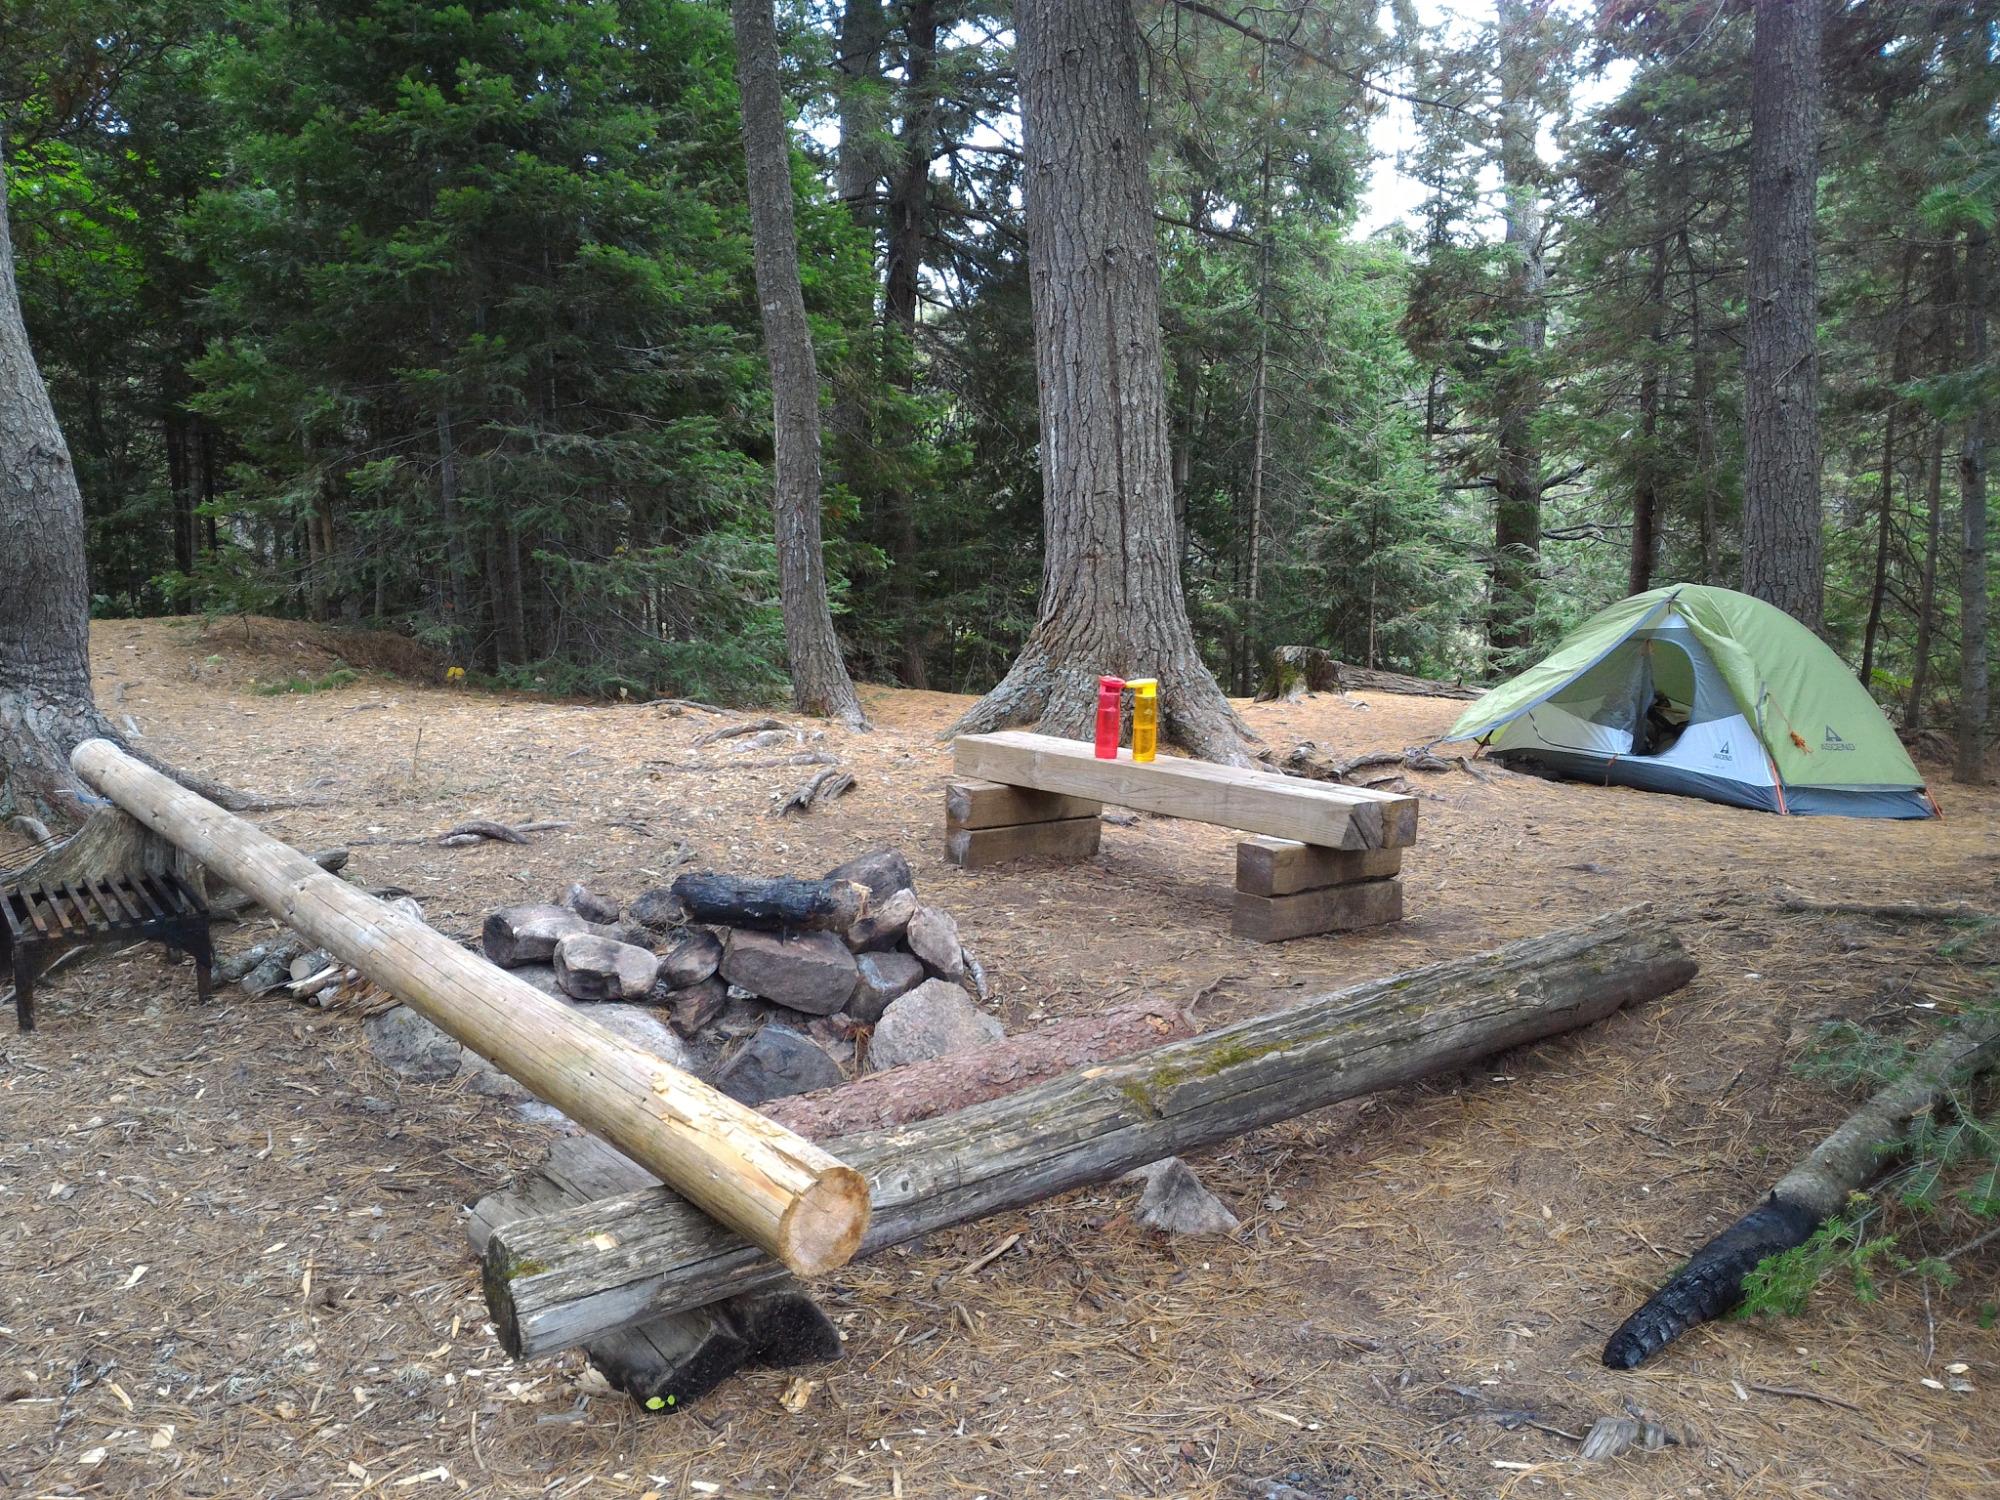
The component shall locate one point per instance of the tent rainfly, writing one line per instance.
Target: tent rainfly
(1705, 692)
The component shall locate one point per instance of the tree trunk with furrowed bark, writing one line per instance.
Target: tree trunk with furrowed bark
(1111, 589)
(820, 684)
(1783, 551)
(45, 703)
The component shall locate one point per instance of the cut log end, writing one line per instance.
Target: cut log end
(823, 1229)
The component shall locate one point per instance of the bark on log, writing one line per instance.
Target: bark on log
(1712, 1281)
(665, 1364)
(561, 1280)
(785, 903)
(786, 1194)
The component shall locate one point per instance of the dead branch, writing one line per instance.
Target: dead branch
(821, 787)
(731, 731)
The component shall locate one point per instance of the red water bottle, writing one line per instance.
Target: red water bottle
(1110, 713)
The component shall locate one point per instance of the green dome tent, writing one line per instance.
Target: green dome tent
(1708, 693)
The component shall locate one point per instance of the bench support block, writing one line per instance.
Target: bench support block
(976, 848)
(1283, 867)
(1332, 908)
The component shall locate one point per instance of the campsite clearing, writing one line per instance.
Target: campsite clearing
(251, 1233)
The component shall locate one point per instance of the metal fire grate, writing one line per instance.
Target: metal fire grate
(38, 924)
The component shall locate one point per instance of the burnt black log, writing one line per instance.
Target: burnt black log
(1711, 1283)
(784, 904)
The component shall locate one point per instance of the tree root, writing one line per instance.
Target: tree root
(1063, 700)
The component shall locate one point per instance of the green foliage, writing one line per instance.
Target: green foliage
(1782, 1283)
(440, 318)
(327, 682)
(1951, 1174)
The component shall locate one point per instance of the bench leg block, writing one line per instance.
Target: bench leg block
(976, 848)
(990, 804)
(1283, 867)
(1333, 908)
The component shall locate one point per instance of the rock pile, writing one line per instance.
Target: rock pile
(803, 983)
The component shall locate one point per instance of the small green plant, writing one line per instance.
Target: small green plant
(339, 677)
(1781, 1283)
(1952, 1171)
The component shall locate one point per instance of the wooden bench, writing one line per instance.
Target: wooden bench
(1321, 858)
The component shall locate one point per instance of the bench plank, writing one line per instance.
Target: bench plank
(1312, 812)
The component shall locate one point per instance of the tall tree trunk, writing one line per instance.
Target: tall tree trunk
(1701, 391)
(1517, 479)
(1111, 590)
(909, 227)
(1253, 594)
(1899, 371)
(1970, 762)
(1782, 545)
(1920, 670)
(1646, 493)
(857, 170)
(45, 701)
(820, 684)
(510, 620)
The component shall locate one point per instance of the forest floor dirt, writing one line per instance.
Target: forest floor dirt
(232, 1257)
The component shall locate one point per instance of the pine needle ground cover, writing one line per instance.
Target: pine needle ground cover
(1414, 1304)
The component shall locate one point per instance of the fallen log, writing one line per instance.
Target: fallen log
(784, 903)
(1293, 671)
(563, 1279)
(776, 1189)
(1711, 1283)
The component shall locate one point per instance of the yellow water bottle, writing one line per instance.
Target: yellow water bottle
(1145, 716)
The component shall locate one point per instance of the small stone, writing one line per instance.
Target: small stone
(589, 905)
(777, 1061)
(933, 937)
(838, 1027)
(808, 971)
(879, 979)
(694, 1009)
(692, 960)
(933, 1020)
(517, 935)
(589, 967)
(411, 1047)
(883, 871)
(885, 925)
(1175, 1202)
(743, 1013)
(658, 909)
(642, 1027)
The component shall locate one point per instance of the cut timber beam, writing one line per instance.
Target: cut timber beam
(775, 1188)
(1331, 908)
(1335, 817)
(988, 804)
(976, 848)
(564, 1279)
(1284, 867)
